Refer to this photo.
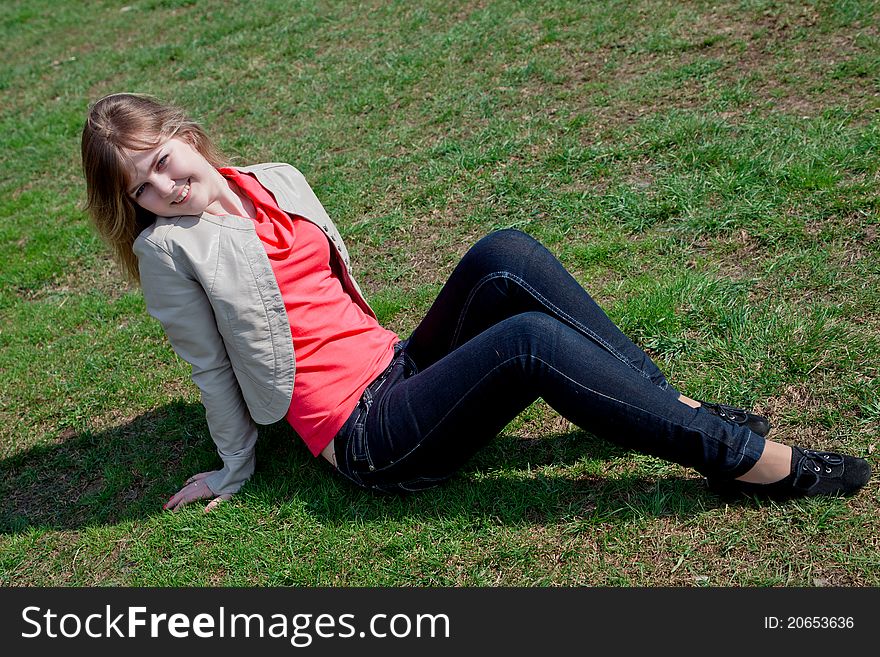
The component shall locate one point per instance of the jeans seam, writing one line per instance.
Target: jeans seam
(541, 299)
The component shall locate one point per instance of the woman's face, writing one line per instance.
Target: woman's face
(173, 179)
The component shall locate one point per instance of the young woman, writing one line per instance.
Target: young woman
(254, 288)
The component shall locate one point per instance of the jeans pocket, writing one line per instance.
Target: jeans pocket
(357, 442)
(352, 456)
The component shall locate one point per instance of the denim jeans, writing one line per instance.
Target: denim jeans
(509, 326)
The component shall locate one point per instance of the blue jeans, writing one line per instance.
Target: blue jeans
(512, 325)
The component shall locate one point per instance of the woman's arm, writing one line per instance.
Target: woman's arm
(178, 301)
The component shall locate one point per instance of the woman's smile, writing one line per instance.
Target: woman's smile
(184, 193)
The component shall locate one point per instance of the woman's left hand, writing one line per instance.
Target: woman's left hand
(195, 489)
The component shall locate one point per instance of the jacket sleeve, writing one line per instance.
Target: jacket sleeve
(178, 301)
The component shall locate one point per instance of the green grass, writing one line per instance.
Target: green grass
(708, 170)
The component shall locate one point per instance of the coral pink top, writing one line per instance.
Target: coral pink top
(339, 349)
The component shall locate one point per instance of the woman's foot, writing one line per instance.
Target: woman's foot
(811, 473)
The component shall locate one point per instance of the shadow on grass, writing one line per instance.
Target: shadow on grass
(127, 473)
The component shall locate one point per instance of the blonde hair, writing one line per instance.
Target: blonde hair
(133, 122)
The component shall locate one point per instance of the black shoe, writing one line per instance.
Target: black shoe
(812, 473)
(757, 423)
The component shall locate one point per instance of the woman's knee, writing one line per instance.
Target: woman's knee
(536, 329)
(502, 249)
(510, 238)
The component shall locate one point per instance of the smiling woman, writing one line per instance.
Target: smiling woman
(254, 288)
(123, 130)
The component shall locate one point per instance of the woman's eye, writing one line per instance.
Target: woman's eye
(140, 190)
(161, 163)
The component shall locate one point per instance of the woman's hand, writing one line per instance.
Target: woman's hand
(195, 489)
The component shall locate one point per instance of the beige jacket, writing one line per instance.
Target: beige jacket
(209, 282)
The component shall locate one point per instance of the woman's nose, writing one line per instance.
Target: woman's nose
(164, 183)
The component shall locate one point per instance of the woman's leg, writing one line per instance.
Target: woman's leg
(482, 361)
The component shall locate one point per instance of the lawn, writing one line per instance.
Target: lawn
(707, 170)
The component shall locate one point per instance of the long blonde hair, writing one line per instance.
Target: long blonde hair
(134, 122)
